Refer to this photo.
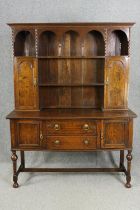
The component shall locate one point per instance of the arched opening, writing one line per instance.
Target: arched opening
(71, 44)
(94, 44)
(47, 44)
(24, 44)
(118, 43)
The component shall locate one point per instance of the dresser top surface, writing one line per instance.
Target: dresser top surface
(71, 114)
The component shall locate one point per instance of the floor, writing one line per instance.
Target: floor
(70, 191)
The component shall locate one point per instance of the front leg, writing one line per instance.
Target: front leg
(15, 176)
(22, 159)
(128, 174)
(121, 158)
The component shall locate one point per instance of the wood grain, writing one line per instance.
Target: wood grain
(25, 80)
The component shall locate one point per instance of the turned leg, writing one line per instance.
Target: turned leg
(22, 159)
(121, 158)
(128, 174)
(15, 177)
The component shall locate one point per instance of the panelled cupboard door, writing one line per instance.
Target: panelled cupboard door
(26, 90)
(116, 82)
(115, 134)
(28, 134)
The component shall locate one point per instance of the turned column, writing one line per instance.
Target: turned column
(128, 175)
(15, 176)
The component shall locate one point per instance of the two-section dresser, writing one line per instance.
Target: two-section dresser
(71, 92)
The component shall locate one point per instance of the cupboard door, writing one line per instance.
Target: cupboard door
(116, 79)
(26, 91)
(115, 134)
(28, 134)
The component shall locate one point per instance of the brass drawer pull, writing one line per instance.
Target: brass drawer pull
(86, 142)
(57, 142)
(57, 127)
(86, 127)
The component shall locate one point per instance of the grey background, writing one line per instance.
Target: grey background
(64, 11)
(67, 191)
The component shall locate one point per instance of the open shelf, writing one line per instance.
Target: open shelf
(71, 44)
(118, 43)
(72, 85)
(71, 97)
(47, 44)
(94, 44)
(24, 44)
(69, 72)
(71, 57)
(69, 107)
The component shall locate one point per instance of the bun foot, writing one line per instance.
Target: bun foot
(15, 185)
(128, 185)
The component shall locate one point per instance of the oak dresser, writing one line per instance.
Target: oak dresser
(71, 92)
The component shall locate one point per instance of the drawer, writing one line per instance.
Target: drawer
(60, 127)
(70, 143)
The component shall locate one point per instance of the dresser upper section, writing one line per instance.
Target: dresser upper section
(71, 65)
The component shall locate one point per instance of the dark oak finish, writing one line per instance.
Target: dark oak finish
(115, 134)
(71, 92)
(70, 143)
(15, 177)
(128, 177)
(28, 133)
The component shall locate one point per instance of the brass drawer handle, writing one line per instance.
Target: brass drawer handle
(86, 127)
(57, 142)
(86, 142)
(57, 127)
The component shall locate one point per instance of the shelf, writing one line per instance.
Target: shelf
(69, 107)
(72, 85)
(71, 57)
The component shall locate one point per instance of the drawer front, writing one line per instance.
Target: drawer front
(70, 143)
(71, 127)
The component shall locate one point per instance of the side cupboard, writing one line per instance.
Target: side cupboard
(71, 92)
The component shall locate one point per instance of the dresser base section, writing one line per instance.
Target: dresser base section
(121, 168)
